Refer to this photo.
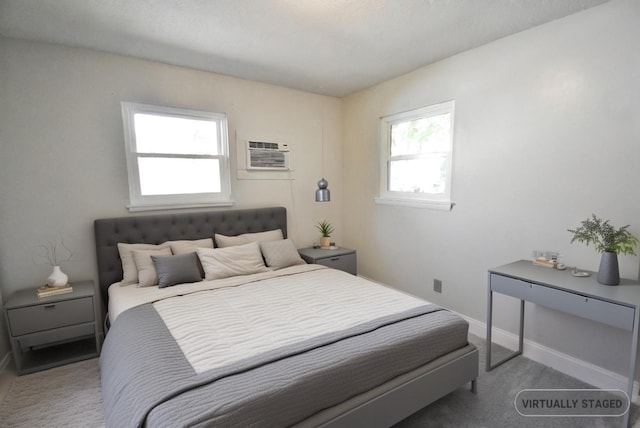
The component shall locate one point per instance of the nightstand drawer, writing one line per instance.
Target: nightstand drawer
(340, 258)
(346, 262)
(47, 316)
(54, 337)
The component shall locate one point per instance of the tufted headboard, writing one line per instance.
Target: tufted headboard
(156, 229)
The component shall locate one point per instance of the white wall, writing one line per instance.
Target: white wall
(547, 132)
(62, 161)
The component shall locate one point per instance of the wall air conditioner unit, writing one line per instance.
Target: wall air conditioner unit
(267, 156)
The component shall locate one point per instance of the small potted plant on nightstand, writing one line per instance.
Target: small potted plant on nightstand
(609, 241)
(326, 230)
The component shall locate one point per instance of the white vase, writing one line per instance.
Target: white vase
(57, 277)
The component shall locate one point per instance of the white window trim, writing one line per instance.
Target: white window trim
(139, 202)
(428, 204)
(422, 200)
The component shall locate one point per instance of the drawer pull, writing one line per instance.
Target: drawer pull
(335, 259)
(49, 306)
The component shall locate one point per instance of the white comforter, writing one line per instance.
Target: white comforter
(252, 314)
(125, 297)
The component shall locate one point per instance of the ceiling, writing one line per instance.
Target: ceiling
(333, 47)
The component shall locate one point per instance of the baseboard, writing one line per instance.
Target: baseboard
(574, 367)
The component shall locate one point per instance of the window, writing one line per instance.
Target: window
(175, 157)
(416, 157)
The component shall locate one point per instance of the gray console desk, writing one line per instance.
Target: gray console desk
(617, 306)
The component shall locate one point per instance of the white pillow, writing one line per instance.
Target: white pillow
(129, 270)
(189, 246)
(223, 241)
(147, 275)
(281, 254)
(237, 260)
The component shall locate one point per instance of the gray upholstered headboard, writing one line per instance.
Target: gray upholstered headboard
(155, 229)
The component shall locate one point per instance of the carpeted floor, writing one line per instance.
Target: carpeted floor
(69, 396)
(66, 396)
(493, 406)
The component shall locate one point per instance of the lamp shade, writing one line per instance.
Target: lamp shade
(323, 194)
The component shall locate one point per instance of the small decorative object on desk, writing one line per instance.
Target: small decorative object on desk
(579, 273)
(541, 261)
(547, 259)
(47, 290)
(609, 241)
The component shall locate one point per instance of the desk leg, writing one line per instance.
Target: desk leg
(489, 365)
(632, 363)
(521, 338)
(489, 321)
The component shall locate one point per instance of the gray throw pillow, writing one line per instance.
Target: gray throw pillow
(176, 269)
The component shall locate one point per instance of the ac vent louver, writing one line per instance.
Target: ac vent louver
(267, 156)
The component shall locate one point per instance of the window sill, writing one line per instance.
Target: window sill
(158, 207)
(414, 203)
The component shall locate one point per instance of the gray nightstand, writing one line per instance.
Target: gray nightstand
(52, 331)
(340, 258)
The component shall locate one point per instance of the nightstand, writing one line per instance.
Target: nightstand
(340, 258)
(52, 331)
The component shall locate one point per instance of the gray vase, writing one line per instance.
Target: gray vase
(608, 273)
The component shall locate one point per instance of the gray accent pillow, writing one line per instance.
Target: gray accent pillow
(190, 246)
(177, 269)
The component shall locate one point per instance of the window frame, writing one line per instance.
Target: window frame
(140, 202)
(440, 201)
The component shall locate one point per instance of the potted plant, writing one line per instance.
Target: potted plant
(326, 230)
(609, 241)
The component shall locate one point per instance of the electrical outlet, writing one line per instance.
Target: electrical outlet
(437, 286)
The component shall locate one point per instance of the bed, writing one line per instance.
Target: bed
(282, 343)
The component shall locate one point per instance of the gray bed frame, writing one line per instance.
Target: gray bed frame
(381, 407)
(156, 229)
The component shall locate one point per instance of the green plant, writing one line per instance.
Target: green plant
(604, 236)
(325, 228)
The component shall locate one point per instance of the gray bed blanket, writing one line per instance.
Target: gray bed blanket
(147, 381)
